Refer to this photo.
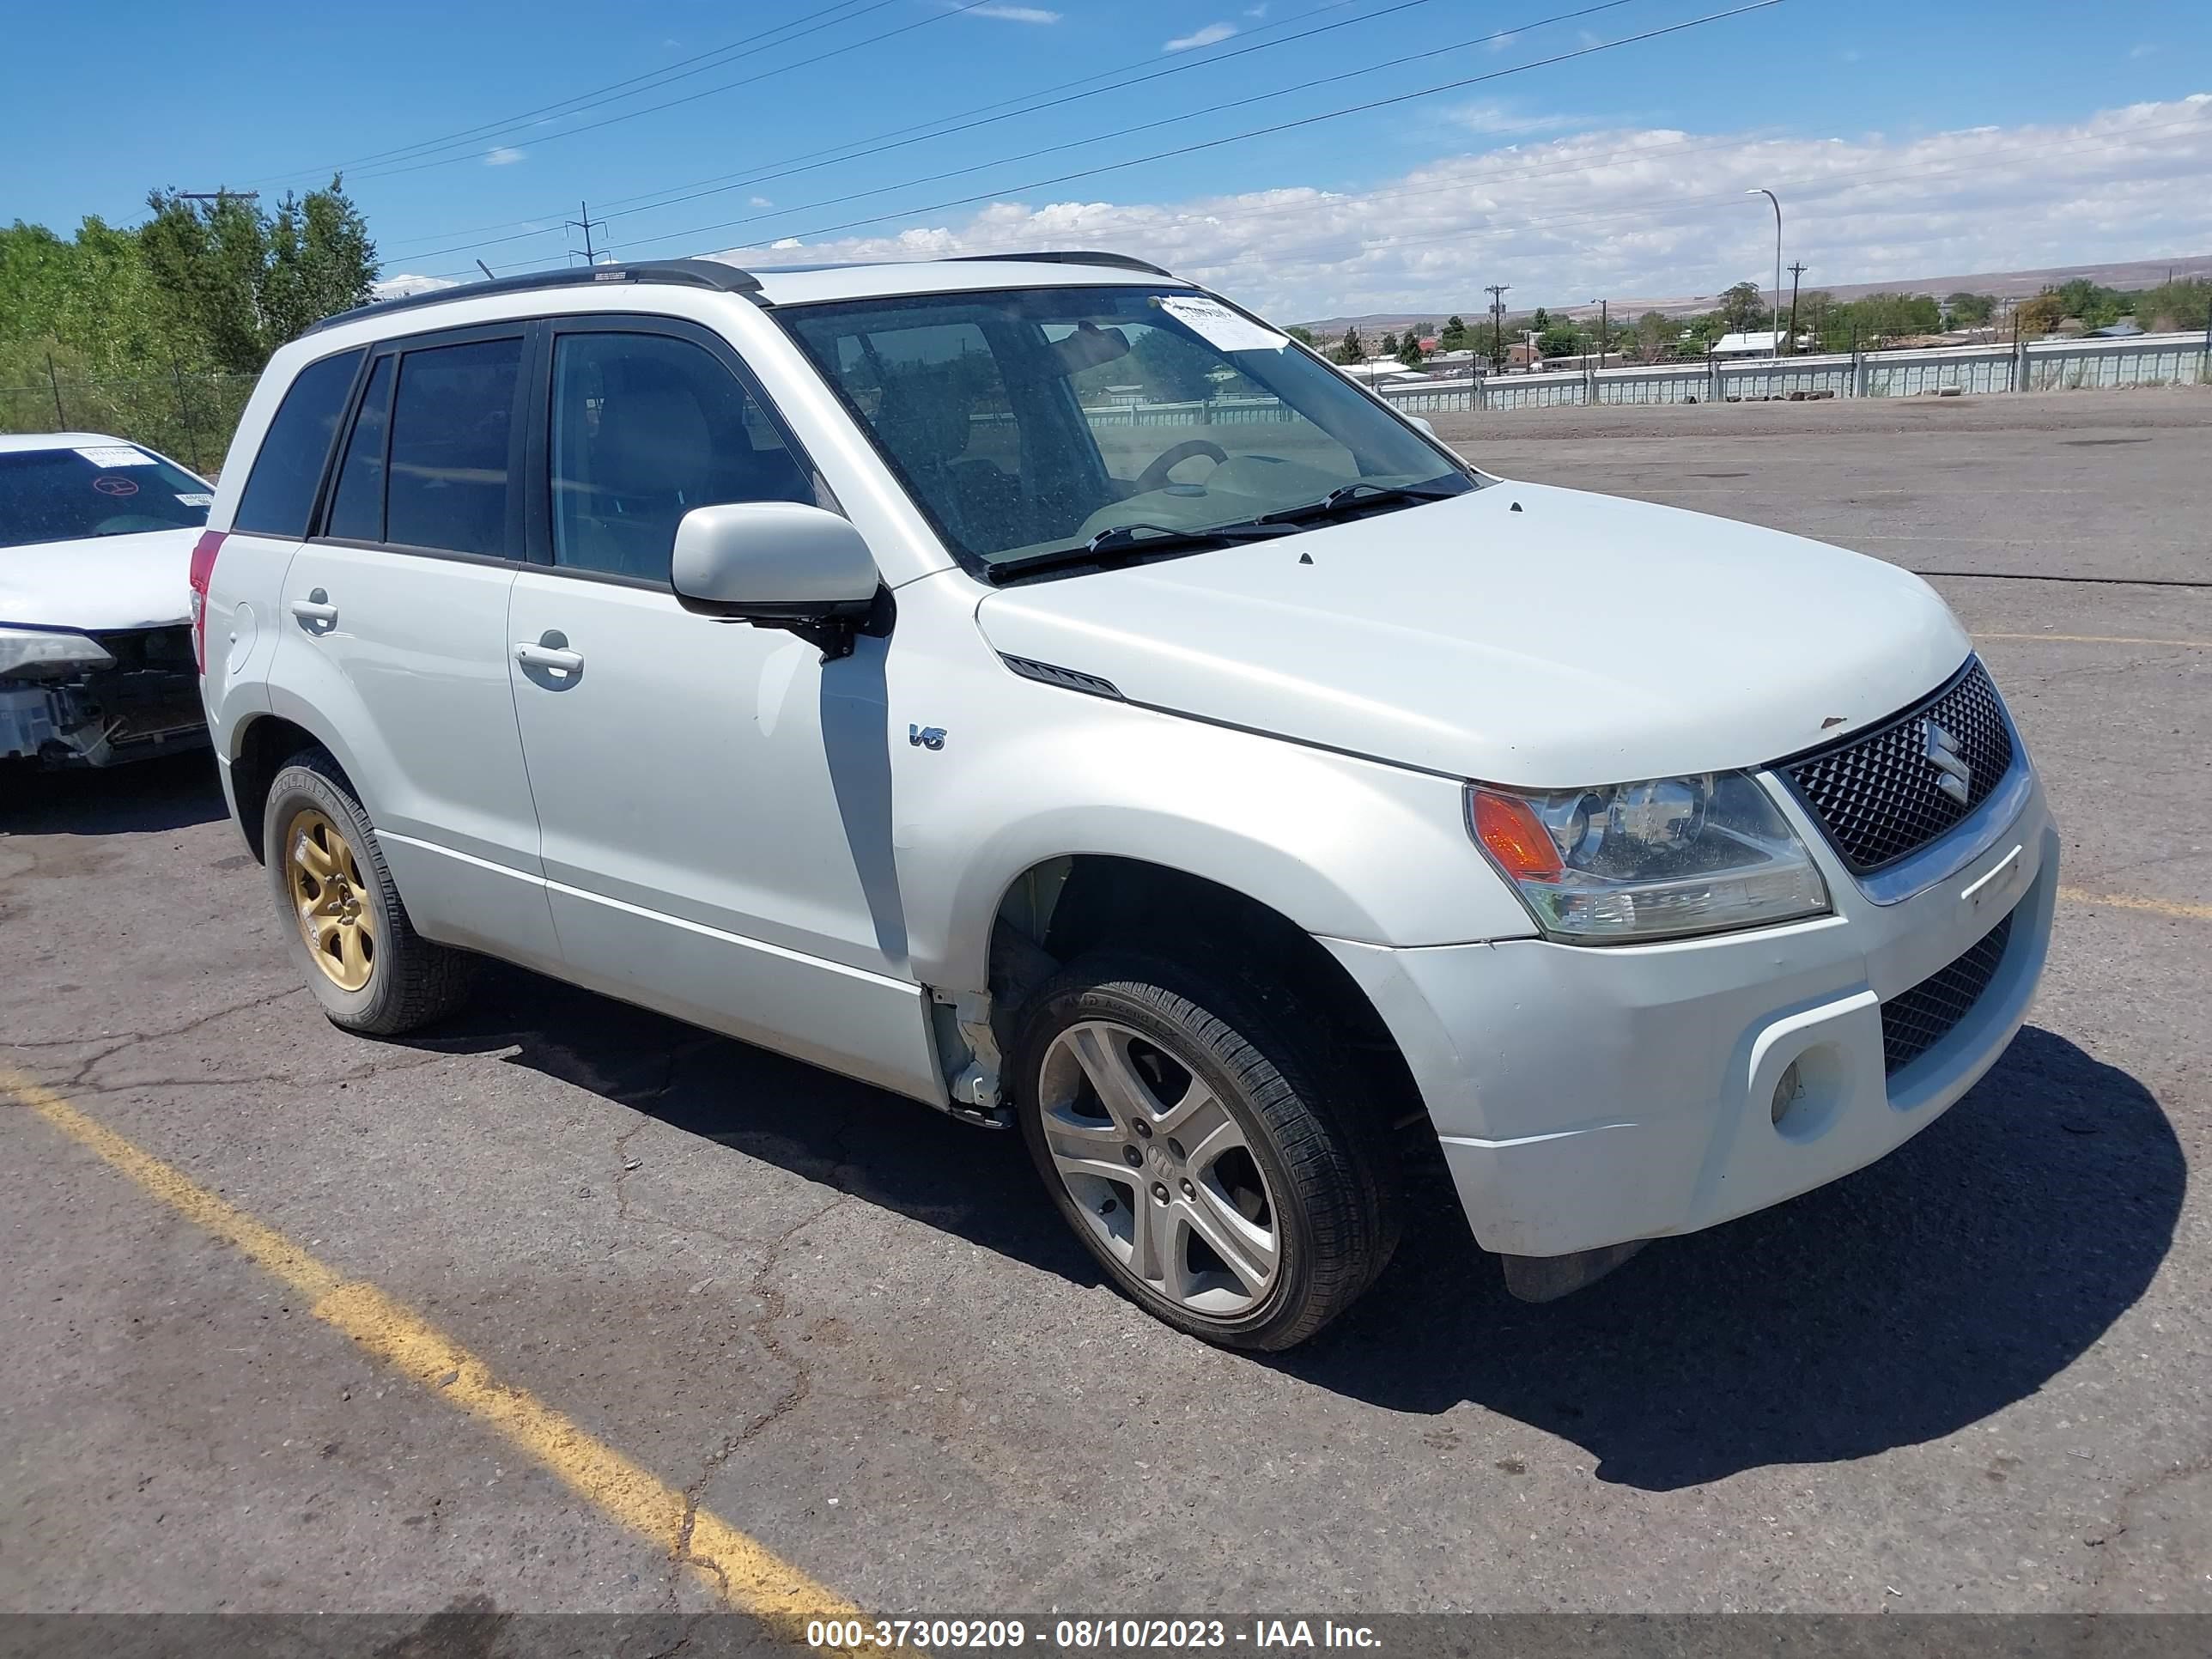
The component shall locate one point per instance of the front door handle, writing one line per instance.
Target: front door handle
(316, 608)
(550, 652)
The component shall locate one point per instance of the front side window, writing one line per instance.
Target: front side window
(646, 427)
(99, 490)
(1035, 421)
(453, 415)
(280, 490)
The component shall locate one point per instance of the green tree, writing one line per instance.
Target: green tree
(1389, 348)
(1454, 337)
(1409, 351)
(1969, 310)
(1559, 340)
(2035, 317)
(1351, 349)
(1653, 333)
(2172, 305)
(1541, 320)
(1297, 331)
(1743, 306)
(245, 281)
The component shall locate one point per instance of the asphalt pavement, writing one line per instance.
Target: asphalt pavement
(852, 1335)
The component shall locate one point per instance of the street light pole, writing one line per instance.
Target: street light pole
(1776, 200)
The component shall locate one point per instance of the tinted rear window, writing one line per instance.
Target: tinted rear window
(451, 420)
(280, 491)
(102, 490)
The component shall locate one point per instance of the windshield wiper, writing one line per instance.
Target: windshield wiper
(1137, 540)
(1353, 496)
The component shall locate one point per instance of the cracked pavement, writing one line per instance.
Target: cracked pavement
(1977, 1375)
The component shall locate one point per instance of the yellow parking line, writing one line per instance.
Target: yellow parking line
(2099, 639)
(2129, 901)
(749, 1576)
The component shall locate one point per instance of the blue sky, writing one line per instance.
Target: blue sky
(1908, 139)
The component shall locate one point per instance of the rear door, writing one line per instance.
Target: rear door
(715, 799)
(394, 630)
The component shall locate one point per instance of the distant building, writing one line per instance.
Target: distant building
(1764, 343)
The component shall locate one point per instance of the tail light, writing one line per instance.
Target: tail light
(203, 552)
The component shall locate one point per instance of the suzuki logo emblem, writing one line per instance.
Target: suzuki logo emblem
(1958, 777)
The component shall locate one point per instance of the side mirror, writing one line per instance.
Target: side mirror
(777, 564)
(1427, 431)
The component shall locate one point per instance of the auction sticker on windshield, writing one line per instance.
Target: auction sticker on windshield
(1218, 327)
(116, 455)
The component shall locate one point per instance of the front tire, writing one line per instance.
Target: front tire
(372, 972)
(1219, 1162)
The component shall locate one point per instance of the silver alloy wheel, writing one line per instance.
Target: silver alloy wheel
(1159, 1168)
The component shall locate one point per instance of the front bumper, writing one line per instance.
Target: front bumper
(1586, 1097)
(147, 702)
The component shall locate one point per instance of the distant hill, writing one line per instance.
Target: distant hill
(2005, 284)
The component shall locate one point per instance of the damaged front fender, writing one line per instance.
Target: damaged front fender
(145, 700)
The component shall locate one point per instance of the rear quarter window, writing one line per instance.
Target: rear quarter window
(280, 490)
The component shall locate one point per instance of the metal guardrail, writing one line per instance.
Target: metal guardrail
(2043, 366)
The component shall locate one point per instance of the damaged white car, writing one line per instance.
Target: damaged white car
(95, 628)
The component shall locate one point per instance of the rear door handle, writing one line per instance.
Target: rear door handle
(315, 608)
(554, 658)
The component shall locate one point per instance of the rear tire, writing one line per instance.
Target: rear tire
(343, 920)
(1196, 1130)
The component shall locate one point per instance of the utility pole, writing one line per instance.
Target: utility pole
(1796, 272)
(1497, 291)
(1602, 306)
(586, 224)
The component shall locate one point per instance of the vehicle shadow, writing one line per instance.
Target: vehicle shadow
(170, 793)
(1953, 1278)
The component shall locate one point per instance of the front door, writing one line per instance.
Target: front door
(715, 800)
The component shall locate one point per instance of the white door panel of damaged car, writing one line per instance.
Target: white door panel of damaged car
(714, 798)
(1038, 688)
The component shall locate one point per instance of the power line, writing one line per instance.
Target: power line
(694, 97)
(950, 126)
(1265, 132)
(673, 72)
(874, 144)
(586, 225)
(1212, 143)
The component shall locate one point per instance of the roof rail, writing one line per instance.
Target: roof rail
(1071, 257)
(686, 273)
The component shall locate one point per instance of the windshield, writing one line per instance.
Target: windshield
(99, 490)
(1041, 419)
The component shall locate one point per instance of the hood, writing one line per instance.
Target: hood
(101, 584)
(1521, 634)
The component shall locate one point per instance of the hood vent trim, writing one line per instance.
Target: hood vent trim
(1069, 679)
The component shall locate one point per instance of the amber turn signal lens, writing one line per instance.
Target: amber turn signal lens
(1522, 845)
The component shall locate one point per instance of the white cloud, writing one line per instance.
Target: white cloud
(1499, 42)
(758, 201)
(399, 288)
(1211, 34)
(504, 157)
(2146, 50)
(1015, 14)
(1503, 119)
(1648, 213)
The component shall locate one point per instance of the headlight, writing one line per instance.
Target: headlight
(1654, 860)
(26, 650)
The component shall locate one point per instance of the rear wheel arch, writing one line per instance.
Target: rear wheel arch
(263, 746)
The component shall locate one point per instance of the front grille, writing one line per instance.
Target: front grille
(1915, 1021)
(1877, 794)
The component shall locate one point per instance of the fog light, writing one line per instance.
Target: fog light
(1788, 1091)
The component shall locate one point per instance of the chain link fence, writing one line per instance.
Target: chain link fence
(185, 414)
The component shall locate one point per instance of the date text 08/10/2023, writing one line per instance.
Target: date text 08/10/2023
(1086, 1635)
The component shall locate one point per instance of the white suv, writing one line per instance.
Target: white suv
(1140, 732)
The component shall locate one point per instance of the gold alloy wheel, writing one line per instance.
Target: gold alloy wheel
(333, 902)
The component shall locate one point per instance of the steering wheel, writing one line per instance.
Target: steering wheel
(1155, 477)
